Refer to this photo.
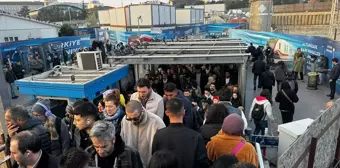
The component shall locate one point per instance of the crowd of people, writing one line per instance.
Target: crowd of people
(169, 122)
(180, 116)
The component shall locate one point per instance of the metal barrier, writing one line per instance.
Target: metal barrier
(311, 149)
(259, 155)
(7, 159)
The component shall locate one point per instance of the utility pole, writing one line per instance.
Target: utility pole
(69, 14)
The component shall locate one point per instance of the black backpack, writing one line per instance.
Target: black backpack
(258, 112)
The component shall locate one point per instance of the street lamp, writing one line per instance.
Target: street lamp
(140, 20)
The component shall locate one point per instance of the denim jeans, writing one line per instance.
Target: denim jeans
(13, 89)
(323, 78)
(260, 126)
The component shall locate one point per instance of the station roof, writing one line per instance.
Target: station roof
(188, 52)
(81, 76)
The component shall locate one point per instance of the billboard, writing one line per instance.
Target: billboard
(20, 50)
(287, 44)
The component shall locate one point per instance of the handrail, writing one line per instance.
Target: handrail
(259, 155)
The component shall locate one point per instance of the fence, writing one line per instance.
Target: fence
(302, 18)
(316, 147)
(303, 7)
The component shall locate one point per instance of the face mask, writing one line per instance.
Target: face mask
(235, 97)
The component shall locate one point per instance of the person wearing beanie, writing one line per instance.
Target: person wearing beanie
(229, 140)
(59, 134)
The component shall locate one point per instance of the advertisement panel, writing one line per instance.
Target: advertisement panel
(46, 48)
(287, 44)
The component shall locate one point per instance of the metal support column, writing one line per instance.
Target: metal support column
(5, 98)
(136, 68)
(243, 81)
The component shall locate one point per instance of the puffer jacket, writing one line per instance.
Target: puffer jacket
(124, 156)
(35, 125)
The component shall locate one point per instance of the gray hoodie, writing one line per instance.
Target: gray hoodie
(280, 73)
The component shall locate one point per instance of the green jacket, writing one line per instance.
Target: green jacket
(299, 63)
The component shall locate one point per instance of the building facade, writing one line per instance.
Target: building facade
(143, 17)
(15, 28)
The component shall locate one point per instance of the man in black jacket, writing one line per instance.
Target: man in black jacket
(109, 150)
(171, 91)
(186, 144)
(85, 115)
(258, 69)
(18, 70)
(18, 120)
(323, 70)
(251, 49)
(335, 73)
(10, 79)
(267, 80)
(269, 54)
(27, 152)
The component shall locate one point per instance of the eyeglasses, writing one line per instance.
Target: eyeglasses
(135, 118)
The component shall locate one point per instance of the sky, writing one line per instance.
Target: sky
(114, 3)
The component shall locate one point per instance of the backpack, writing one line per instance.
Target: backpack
(258, 112)
(291, 84)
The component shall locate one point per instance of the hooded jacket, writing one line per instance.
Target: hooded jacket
(35, 125)
(140, 137)
(285, 104)
(260, 100)
(123, 156)
(222, 144)
(280, 73)
(154, 104)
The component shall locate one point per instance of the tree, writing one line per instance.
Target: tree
(66, 30)
(236, 4)
(92, 20)
(200, 3)
(24, 11)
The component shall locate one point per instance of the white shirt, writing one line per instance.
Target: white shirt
(227, 80)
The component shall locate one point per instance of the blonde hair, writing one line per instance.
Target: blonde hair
(50, 125)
